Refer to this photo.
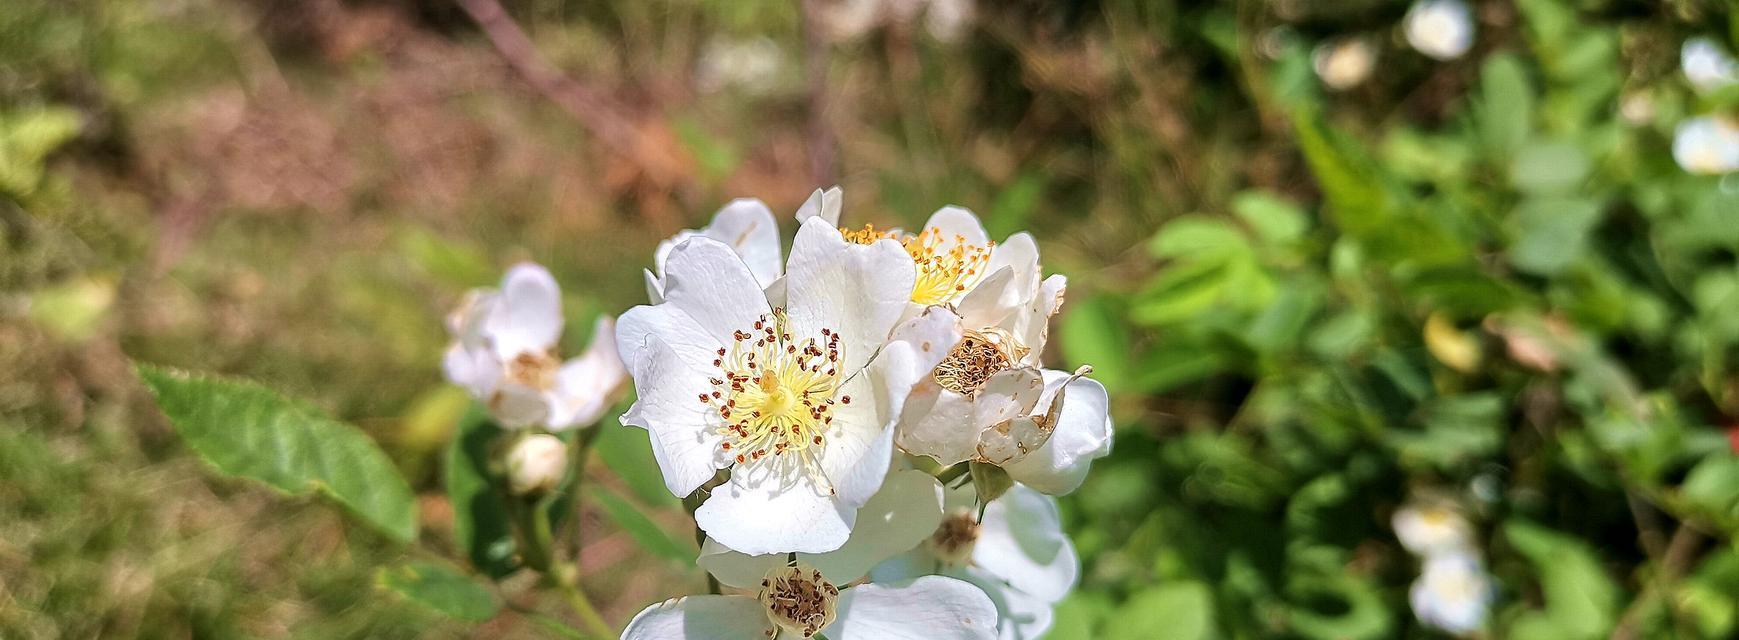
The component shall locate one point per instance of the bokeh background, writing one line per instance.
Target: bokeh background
(1483, 280)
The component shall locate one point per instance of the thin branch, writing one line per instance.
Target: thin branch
(1679, 554)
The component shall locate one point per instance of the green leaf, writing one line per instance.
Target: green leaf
(1581, 599)
(1551, 233)
(245, 430)
(1338, 607)
(1094, 333)
(1713, 488)
(639, 526)
(1549, 167)
(1198, 237)
(1351, 184)
(1506, 105)
(441, 588)
(627, 451)
(1276, 221)
(1177, 611)
(480, 516)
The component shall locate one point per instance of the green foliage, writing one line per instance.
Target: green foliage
(651, 535)
(245, 430)
(442, 588)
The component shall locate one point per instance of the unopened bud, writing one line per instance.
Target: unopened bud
(536, 464)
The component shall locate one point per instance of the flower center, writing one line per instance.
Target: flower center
(978, 356)
(954, 539)
(535, 370)
(798, 600)
(776, 393)
(947, 266)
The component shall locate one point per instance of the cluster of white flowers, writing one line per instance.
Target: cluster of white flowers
(845, 391)
(1708, 144)
(505, 354)
(1453, 592)
(1441, 29)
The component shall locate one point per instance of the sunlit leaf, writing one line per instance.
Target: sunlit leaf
(247, 431)
(441, 588)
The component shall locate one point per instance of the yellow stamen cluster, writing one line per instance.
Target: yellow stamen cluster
(535, 370)
(775, 393)
(798, 600)
(947, 266)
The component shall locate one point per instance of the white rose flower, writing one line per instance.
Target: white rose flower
(745, 225)
(1425, 529)
(798, 400)
(1707, 145)
(988, 399)
(1442, 29)
(1453, 593)
(504, 353)
(1018, 554)
(1707, 65)
(797, 602)
(1344, 63)
(536, 463)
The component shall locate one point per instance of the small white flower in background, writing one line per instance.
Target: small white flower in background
(504, 353)
(1707, 145)
(536, 463)
(989, 399)
(1453, 593)
(1637, 108)
(797, 400)
(1018, 554)
(745, 225)
(752, 65)
(1707, 65)
(1425, 529)
(797, 602)
(1442, 29)
(946, 20)
(1344, 63)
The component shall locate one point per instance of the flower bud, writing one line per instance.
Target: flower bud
(536, 464)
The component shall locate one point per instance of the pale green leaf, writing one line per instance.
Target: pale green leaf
(441, 588)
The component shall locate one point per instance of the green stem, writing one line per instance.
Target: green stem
(588, 614)
(952, 473)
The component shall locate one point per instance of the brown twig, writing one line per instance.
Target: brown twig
(611, 121)
(1680, 551)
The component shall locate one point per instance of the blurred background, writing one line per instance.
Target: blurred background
(1322, 272)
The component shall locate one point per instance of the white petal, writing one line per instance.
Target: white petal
(990, 302)
(958, 221)
(516, 405)
(654, 287)
(475, 369)
(759, 513)
(1007, 394)
(938, 423)
(776, 292)
(1021, 541)
(932, 333)
(700, 618)
(1020, 615)
(670, 359)
(1082, 434)
(734, 568)
(860, 291)
(1031, 326)
(860, 444)
(746, 225)
(906, 510)
(927, 608)
(823, 204)
(707, 281)
(528, 317)
(586, 386)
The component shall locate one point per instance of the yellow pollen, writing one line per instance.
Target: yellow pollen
(869, 234)
(535, 370)
(775, 393)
